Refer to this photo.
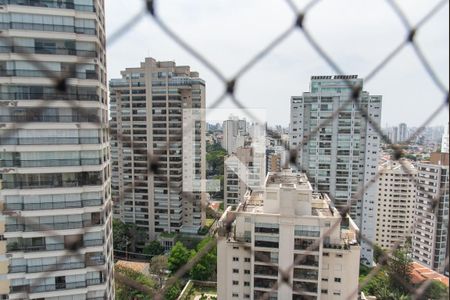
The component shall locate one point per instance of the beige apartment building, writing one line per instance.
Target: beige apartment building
(158, 120)
(430, 237)
(54, 150)
(396, 202)
(279, 228)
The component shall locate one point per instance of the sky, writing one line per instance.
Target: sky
(357, 34)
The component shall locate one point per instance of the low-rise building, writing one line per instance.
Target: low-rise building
(282, 230)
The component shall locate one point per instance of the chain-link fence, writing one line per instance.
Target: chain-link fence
(229, 84)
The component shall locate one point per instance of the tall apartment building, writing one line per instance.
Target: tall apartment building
(430, 237)
(243, 170)
(54, 150)
(445, 141)
(158, 117)
(279, 228)
(402, 132)
(234, 134)
(396, 202)
(342, 156)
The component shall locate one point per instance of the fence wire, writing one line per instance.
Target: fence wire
(229, 88)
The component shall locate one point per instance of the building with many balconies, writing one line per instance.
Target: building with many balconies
(54, 150)
(286, 229)
(158, 119)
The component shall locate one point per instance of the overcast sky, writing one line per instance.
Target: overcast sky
(358, 34)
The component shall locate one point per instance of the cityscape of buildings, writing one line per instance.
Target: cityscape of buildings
(308, 203)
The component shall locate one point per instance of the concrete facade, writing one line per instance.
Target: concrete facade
(158, 111)
(342, 156)
(279, 227)
(430, 237)
(54, 151)
(396, 202)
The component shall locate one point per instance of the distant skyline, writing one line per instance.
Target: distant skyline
(230, 32)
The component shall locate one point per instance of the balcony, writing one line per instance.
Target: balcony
(49, 163)
(51, 226)
(45, 73)
(47, 27)
(49, 141)
(50, 4)
(51, 51)
(56, 267)
(63, 286)
(50, 118)
(49, 96)
(53, 205)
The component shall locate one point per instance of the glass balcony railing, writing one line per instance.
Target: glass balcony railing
(49, 96)
(44, 73)
(53, 205)
(50, 226)
(50, 118)
(47, 27)
(56, 267)
(50, 4)
(49, 141)
(51, 51)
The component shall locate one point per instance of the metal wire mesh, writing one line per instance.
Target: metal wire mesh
(229, 85)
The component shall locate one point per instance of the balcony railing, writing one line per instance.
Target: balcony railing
(52, 118)
(54, 287)
(50, 226)
(50, 4)
(50, 184)
(51, 51)
(53, 205)
(43, 73)
(49, 141)
(48, 27)
(17, 247)
(55, 267)
(49, 96)
(49, 163)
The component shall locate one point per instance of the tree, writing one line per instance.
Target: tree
(126, 236)
(153, 248)
(179, 256)
(125, 292)
(158, 267)
(378, 253)
(173, 292)
(205, 268)
(399, 269)
(436, 291)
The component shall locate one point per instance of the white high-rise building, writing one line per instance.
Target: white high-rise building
(54, 150)
(445, 141)
(430, 237)
(396, 202)
(234, 134)
(279, 228)
(244, 170)
(158, 116)
(402, 132)
(341, 157)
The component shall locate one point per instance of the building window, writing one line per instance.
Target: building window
(337, 293)
(235, 295)
(235, 271)
(235, 258)
(324, 279)
(247, 259)
(324, 291)
(337, 279)
(246, 283)
(247, 272)
(326, 254)
(338, 255)
(235, 282)
(246, 296)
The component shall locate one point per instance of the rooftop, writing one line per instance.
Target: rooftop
(421, 273)
(287, 179)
